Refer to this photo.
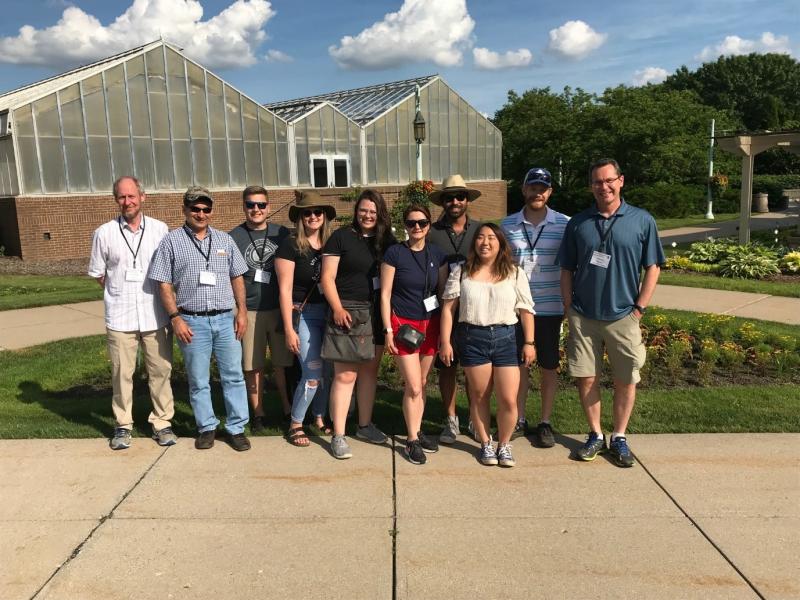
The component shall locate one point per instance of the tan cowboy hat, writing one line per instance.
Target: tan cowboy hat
(453, 183)
(310, 200)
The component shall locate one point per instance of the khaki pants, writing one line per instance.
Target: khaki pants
(157, 350)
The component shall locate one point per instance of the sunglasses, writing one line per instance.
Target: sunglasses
(317, 212)
(204, 209)
(261, 205)
(422, 223)
(453, 198)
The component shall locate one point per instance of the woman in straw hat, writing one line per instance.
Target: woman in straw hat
(298, 265)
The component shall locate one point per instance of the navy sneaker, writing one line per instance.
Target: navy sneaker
(593, 446)
(620, 453)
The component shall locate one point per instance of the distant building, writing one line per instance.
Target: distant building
(158, 115)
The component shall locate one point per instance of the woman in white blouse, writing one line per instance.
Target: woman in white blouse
(492, 295)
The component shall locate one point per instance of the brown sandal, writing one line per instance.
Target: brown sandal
(297, 437)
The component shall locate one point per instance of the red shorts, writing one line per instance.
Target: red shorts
(430, 327)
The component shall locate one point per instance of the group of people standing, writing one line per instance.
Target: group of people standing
(454, 291)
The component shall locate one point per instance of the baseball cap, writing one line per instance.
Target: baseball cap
(196, 194)
(538, 175)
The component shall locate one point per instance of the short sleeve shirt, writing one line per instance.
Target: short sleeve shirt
(258, 248)
(358, 263)
(608, 294)
(455, 245)
(181, 257)
(416, 277)
(306, 271)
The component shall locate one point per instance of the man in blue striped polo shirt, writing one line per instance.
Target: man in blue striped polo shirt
(534, 234)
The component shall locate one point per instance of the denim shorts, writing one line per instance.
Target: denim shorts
(499, 345)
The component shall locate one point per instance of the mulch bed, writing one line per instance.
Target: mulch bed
(13, 265)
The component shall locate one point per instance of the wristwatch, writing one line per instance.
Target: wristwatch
(173, 315)
(531, 344)
(388, 330)
(640, 308)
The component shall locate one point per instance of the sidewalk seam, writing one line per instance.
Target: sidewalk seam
(77, 550)
(394, 518)
(701, 530)
(746, 304)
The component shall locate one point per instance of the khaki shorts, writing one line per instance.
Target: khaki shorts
(622, 340)
(264, 327)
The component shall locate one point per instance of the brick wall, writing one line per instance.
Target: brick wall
(60, 227)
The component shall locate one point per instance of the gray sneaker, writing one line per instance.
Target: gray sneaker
(121, 439)
(504, 456)
(450, 430)
(339, 447)
(487, 455)
(371, 434)
(165, 437)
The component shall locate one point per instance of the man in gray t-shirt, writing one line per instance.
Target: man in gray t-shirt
(258, 240)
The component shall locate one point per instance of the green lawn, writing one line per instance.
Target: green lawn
(25, 291)
(773, 288)
(62, 390)
(693, 221)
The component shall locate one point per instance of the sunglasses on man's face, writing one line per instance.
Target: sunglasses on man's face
(252, 205)
(317, 212)
(453, 198)
(423, 223)
(204, 209)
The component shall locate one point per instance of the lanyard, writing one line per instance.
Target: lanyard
(532, 247)
(206, 255)
(122, 233)
(605, 233)
(260, 254)
(423, 266)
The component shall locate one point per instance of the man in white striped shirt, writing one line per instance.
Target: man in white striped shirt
(121, 254)
(534, 234)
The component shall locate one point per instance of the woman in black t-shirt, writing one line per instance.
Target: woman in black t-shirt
(298, 265)
(351, 282)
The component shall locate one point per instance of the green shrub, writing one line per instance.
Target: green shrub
(743, 263)
(790, 263)
(703, 267)
(708, 251)
(678, 262)
(664, 200)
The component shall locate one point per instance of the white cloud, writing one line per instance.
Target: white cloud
(575, 39)
(226, 40)
(491, 61)
(733, 45)
(422, 30)
(276, 56)
(649, 75)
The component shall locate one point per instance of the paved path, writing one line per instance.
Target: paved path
(758, 222)
(700, 516)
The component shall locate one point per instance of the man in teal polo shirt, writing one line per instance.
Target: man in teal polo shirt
(604, 249)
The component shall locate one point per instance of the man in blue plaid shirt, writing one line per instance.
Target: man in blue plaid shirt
(199, 270)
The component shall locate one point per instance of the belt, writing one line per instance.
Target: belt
(487, 327)
(203, 313)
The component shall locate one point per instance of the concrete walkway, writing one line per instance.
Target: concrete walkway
(700, 516)
(758, 222)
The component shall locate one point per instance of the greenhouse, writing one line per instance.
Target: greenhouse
(154, 113)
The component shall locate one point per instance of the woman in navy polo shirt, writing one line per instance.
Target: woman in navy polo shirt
(410, 276)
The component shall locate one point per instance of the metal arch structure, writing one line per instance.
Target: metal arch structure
(748, 145)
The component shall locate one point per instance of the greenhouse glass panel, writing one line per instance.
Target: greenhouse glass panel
(183, 163)
(94, 106)
(216, 108)
(137, 98)
(201, 154)
(250, 118)
(236, 153)
(342, 137)
(77, 164)
(117, 101)
(463, 139)
(444, 131)
(122, 157)
(452, 139)
(75, 149)
(355, 165)
(233, 113)
(328, 133)
(489, 152)
(314, 129)
(165, 179)
(219, 158)
(157, 94)
(252, 158)
(303, 174)
(473, 144)
(178, 102)
(48, 130)
(269, 165)
(71, 112)
(392, 158)
(198, 110)
(100, 159)
(143, 157)
(280, 129)
(8, 177)
(481, 148)
(283, 162)
(372, 175)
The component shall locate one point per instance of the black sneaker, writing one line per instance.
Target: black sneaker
(543, 436)
(429, 445)
(239, 442)
(593, 446)
(520, 429)
(258, 424)
(620, 453)
(414, 452)
(205, 440)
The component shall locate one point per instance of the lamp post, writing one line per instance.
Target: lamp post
(419, 133)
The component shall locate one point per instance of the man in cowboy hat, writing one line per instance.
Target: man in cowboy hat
(258, 241)
(453, 232)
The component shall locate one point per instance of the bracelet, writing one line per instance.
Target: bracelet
(640, 308)
(173, 315)
(531, 344)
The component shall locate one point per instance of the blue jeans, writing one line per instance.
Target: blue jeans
(310, 331)
(499, 345)
(215, 334)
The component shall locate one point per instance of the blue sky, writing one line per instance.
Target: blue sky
(281, 49)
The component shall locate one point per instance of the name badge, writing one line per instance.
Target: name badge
(376, 283)
(134, 275)
(263, 276)
(453, 265)
(530, 265)
(431, 303)
(208, 278)
(600, 259)
(221, 252)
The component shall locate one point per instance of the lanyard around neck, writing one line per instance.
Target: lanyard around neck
(141, 237)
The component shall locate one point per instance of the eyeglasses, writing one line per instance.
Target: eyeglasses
(204, 209)
(453, 198)
(422, 223)
(366, 211)
(601, 182)
(317, 212)
(260, 205)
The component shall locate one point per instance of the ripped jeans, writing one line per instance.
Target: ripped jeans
(310, 331)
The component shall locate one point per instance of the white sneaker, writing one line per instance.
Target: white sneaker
(504, 456)
(450, 430)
